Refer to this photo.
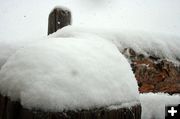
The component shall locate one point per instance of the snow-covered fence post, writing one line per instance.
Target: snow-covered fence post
(58, 18)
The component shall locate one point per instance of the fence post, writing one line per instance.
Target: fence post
(58, 18)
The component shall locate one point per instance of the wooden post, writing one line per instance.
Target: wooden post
(58, 18)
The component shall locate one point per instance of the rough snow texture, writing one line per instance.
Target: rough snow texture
(165, 46)
(153, 105)
(69, 73)
(124, 105)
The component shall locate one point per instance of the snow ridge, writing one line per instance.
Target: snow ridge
(165, 46)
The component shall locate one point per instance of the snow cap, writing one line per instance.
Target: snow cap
(68, 74)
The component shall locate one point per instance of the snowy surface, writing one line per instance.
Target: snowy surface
(69, 73)
(165, 46)
(9, 47)
(153, 105)
(128, 105)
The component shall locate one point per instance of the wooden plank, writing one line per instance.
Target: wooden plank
(25, 114)
(12, 110)
(3, 103)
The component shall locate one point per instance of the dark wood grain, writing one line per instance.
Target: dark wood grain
(14, 110)
(58, 19)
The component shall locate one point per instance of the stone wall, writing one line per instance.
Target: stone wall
(154, 74)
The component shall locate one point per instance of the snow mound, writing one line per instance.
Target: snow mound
(69, 73)
(165, 46)
(153, 105)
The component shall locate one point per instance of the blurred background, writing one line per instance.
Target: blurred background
(20, 19)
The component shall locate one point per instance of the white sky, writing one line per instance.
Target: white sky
(21, 19)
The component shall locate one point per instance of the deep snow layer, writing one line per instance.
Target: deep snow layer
(162, 45)
(153, 105)
(165, 46)
(69, 73)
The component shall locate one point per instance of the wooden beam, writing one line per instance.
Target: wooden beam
(58, 18)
